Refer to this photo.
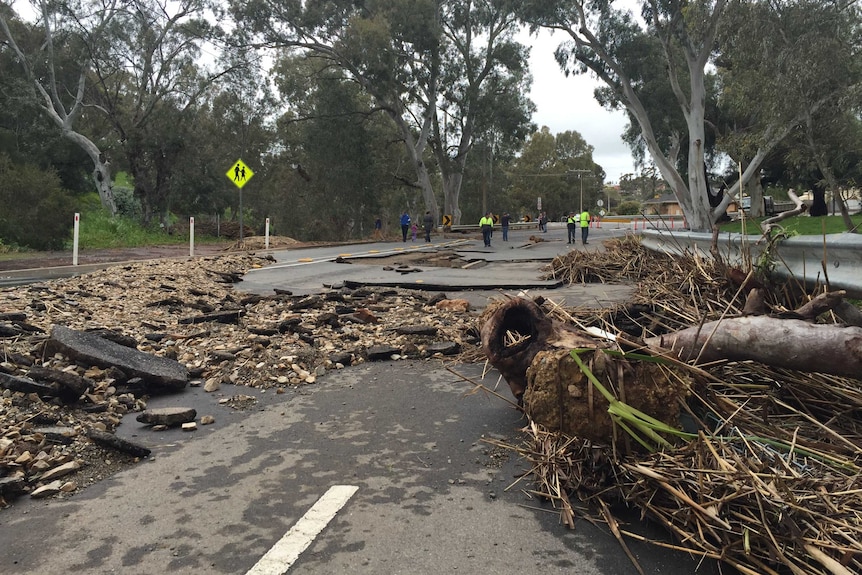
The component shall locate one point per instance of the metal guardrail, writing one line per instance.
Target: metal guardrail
(512, 226)
(832, 258)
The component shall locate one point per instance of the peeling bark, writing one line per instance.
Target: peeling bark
(786, 343)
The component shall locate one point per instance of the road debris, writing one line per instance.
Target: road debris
(762, 470)
(78, 354)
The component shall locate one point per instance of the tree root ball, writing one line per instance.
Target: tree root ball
(561, 398)
(516, 316)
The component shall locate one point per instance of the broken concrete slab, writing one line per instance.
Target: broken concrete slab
(60, 471)
(167, 416)
(52, 488)
(88, 348)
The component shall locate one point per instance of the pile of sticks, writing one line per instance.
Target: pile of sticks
(769, 479)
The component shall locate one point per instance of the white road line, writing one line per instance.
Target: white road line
(287, 550)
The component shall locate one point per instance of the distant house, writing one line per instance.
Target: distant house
(664, 205)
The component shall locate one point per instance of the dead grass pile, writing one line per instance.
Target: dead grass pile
(259, 243)
(766, 474)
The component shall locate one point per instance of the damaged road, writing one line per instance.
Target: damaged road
(460, 267)
(432, 495)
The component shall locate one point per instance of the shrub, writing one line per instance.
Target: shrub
(37, 211)
(127, 204)
(629, 208)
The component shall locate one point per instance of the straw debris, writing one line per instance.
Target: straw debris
(764, 473)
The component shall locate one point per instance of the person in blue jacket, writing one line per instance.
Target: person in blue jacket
(405, 225)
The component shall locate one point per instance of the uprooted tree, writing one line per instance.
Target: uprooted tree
(560, 391)
(734, 424)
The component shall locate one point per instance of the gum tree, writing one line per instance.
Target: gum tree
(435, 68)
(607, 41)
(59, 82)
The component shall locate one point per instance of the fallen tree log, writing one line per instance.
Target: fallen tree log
(787, 343)
(532, 352)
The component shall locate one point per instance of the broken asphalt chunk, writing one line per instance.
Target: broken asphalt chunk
(111, 441)
(416, 330)
(26, 385)
(227, 316)
(169, 416)
(444, 347)
(92, 349)
(382, 352)
(14, 485)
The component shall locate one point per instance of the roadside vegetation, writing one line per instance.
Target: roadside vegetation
(800, 225)
(371, 109)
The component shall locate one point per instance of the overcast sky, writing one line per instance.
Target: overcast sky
(568, 104)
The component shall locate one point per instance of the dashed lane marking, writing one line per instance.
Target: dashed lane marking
(287, 550)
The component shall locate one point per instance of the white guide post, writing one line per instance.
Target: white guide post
(75, 239)
(266, 233)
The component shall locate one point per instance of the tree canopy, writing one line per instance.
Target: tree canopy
(350, 111)
(682, 41)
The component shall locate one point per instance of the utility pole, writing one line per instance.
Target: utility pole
(580, 173)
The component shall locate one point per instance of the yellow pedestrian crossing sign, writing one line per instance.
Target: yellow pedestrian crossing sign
(239, 174)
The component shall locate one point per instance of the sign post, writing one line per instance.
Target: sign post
(239, 174)
(192, 237)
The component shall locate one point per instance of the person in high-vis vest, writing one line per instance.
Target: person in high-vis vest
(585, 226)
(486, 224)
(570, 228)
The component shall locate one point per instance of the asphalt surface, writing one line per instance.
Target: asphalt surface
(516, 266)
(433, 496)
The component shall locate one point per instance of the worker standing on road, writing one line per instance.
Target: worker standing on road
(585, 226)
(378, 228)
(504, 223)
(486, 224)
(570, 228)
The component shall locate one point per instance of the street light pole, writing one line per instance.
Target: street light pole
(582, 193)
(580, 174)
